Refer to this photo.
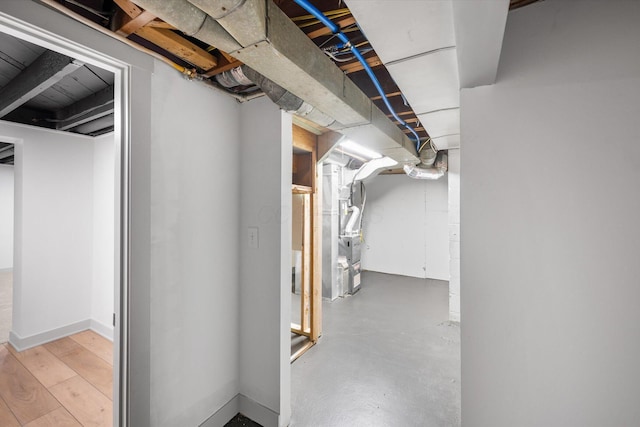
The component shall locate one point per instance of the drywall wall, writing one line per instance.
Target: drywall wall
(135, 126)
(454, 234)
(550, 204)
(405, 227)
(195, 171)
(53, 254)
(6, 217)
(265, 271)
(104, 234)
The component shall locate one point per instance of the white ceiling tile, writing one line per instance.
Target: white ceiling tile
(447, 142)
(399, 29)
(441, 122)
(429, 82)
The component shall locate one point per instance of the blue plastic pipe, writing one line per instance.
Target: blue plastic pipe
(306, 5)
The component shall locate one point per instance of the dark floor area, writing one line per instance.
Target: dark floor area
(241, 421)
(388, 357)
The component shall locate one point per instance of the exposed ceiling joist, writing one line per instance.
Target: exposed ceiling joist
(179, 46)
(47, 70)
(87, 109)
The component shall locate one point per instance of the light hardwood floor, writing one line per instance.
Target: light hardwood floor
(67, 382)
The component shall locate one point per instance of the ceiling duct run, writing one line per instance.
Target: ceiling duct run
(281, 54)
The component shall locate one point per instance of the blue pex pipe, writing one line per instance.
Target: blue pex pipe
(306, 5)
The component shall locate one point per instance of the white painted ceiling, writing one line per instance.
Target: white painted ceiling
(432, 48)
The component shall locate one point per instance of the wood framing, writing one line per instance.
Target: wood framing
(305, 181)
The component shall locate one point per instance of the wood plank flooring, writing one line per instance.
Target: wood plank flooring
(67, 382)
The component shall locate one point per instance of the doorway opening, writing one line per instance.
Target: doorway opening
(63, 109)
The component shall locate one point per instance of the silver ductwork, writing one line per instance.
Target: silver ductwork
(260, 35)
(244, 75)
(192, 21)
(422, 171)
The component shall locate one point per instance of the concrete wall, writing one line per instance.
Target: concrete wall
(265, 272)
(550, 206)
(406, 227)
(6, 217)
(195, 171)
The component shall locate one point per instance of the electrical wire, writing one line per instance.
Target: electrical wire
(305, 4)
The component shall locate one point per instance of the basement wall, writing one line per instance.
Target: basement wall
(550, 206)
(6, 217)
(104, 234)
(406, 227)
(265, 272)
(54, 233)
(195, 185)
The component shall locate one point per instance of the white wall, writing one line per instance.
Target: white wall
(265, 273)
(550, 206)
(195, 171)
(406, 227)
(54, 208)
(6, 217)
(104, 178)
(454, 234)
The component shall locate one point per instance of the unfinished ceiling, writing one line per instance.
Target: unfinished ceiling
(44, 88)
(411, 46)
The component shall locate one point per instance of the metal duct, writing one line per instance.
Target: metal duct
(438, 170)
(191, 21)
(285, 99)
(284, 55)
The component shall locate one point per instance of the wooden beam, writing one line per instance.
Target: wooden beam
(85, 110)
(389, 95)
(47, 70)
(316, 244)
(303, 139)
(136, 23)
(414, 120)
(128, 7)
(224, 64)
(161, 24)
(402, 113)
(179, 46)
(416, 129)
(324, 31)
(374, 61)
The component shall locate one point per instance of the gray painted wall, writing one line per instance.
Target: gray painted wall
(265, 272)
(194, 255)
(550, 202)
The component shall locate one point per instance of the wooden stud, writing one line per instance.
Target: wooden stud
(306, 266)
(316, 242)
(179, 46)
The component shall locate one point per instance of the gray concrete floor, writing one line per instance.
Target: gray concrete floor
(388, 357)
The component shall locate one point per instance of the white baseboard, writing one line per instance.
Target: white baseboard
(224, 414)
(102, 329)
(258, 413)
(24, 343)
(247, 407)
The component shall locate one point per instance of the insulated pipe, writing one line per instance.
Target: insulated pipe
(192, 21)
(305, 4)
